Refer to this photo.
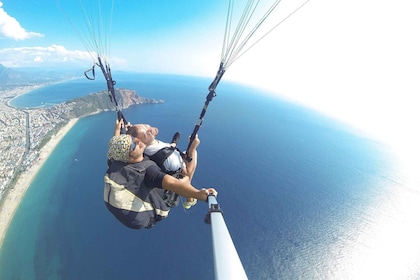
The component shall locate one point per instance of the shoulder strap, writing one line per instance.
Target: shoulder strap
(160, 156)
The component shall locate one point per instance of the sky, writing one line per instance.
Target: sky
(357, 61)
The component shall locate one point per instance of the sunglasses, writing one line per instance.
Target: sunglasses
(133, 144)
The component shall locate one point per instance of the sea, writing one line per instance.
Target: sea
(304, 196)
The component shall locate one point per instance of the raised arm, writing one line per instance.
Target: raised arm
(118, 125)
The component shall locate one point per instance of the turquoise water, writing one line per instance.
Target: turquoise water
(295, 188)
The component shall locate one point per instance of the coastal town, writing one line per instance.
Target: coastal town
(21, 131)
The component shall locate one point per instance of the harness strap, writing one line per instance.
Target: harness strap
(160, 156)
(172, 198)
(210, 95)
(110, 83)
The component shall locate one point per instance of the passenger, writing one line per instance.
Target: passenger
(166, 155)
(136, 189)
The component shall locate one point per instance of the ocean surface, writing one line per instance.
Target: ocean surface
(303, 196)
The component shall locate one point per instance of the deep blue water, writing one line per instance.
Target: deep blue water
(56, 93)
(293, 186)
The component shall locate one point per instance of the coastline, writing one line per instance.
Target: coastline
(13, 197)
(21, 90)
(18, 91)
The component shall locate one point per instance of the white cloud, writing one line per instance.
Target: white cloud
(38, 59)
(11, 28)
(52, 56)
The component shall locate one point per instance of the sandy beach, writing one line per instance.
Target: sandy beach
(13, 197)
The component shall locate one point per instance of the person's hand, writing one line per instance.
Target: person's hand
(195, 142)
(212, 191)
(128, 125)
(204, 193)
(118, 125)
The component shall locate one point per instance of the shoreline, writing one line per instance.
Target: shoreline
(27, 89)
(13, 197)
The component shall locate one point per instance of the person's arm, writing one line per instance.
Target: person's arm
(184, 188)
(118, 125)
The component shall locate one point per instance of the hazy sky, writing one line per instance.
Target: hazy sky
(356, 60)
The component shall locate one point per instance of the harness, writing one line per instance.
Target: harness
(160, 156)
(171, 198)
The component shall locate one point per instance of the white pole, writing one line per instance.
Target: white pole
(227, 264)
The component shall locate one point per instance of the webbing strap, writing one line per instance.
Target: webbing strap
(160, 156)
(106, 71)
(212, 93)
(110, 83)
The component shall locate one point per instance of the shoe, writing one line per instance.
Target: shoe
(176, 137)
(188, 204)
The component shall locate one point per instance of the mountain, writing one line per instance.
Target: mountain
(9, 77)
(16, 77)
(97, 102)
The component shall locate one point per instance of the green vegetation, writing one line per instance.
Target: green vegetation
(97, 102)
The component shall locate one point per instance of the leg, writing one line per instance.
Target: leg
(189, 169)
(190, 166)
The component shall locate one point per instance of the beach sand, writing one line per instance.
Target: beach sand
(15, 194)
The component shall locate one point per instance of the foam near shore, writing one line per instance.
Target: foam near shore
(13, 197)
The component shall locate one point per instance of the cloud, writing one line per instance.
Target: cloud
(38, 59)
(11, 28)
(52, 56)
